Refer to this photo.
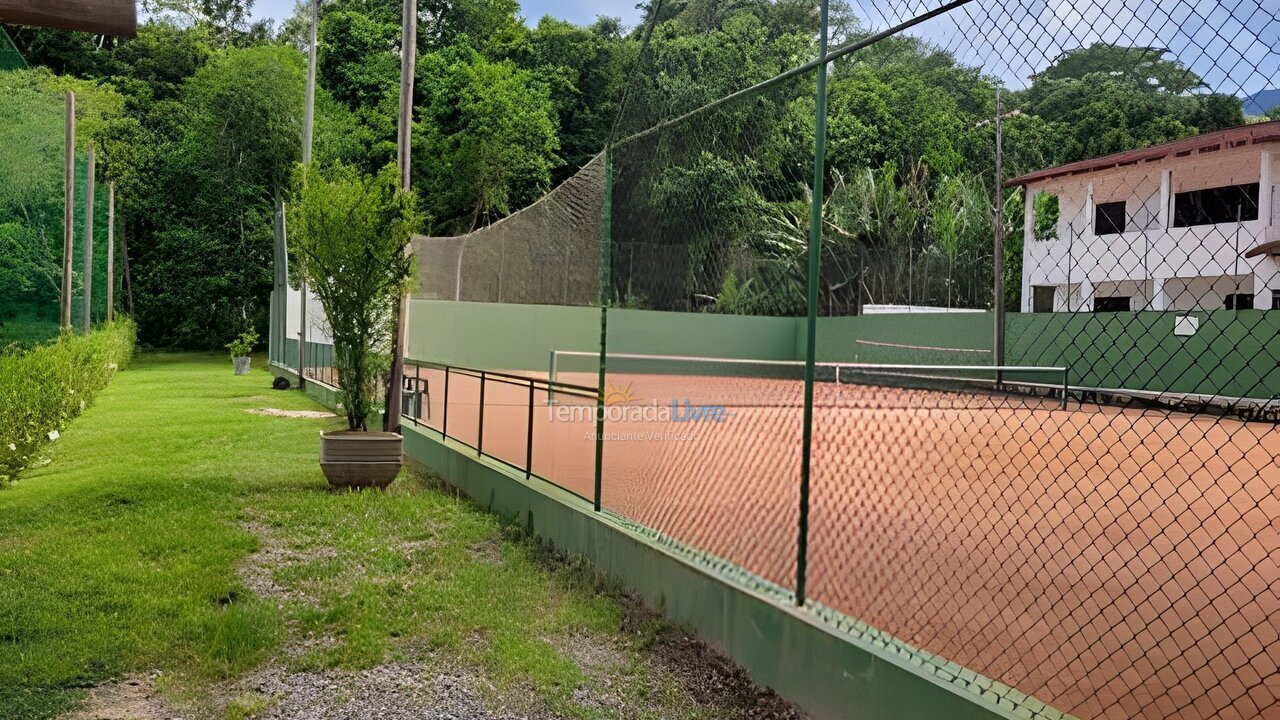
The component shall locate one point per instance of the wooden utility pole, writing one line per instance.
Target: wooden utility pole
(308, 129)
(68, 214)
(88, 242)
(309, 110)
(111, 252)
(107, 17)
(408, 66)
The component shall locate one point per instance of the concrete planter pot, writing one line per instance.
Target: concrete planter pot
(356, 460)
(241, 365)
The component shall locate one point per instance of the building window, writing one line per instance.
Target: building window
(1109, 218)
(1241, 301)
(1042, 298)
(1275, 299)
(1111, 304)
(1047, 213)
(1214, 206)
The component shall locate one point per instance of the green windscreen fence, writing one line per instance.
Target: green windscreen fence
(10, 58)
(32, 213)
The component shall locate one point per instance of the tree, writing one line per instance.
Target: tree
(203, 252)
(351, 233)
(1144, 67)
(485, 138)
(1100, 114)
(484, 25)
(584, 69)
(228, 19)
(358, 58)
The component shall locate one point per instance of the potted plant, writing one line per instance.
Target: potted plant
(240, 349)
(351, 233)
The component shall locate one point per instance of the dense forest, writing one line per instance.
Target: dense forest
(198, 120)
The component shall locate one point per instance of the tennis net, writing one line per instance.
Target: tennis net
(747, 382)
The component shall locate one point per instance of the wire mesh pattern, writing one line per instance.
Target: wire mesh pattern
(32, 219)
(1046, 382)
(547, 253)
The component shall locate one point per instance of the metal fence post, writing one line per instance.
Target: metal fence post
(68, 217)
(815, 254)
(606, 274)
(444, 421)
(528, 449)
(90, 178)
(997, 259)
(480, 430)
(111, 252)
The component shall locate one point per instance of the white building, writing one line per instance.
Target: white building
(1188, 225)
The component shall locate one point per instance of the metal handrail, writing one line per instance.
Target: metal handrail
(511, 378)
(486, 376)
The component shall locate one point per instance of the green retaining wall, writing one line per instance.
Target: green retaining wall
(498, 337)
(521, 337)
(1234, 353)
(702, 335)
(828, 673)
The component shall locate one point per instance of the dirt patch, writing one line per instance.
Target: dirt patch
(132, 698)
(408, 691)
(664, 656)
(488, 550)
(304, 414)
(710, 678)
(592, 652)
(257, 572)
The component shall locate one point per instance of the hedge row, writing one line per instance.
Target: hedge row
(44, 387)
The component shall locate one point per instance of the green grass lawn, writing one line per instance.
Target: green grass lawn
(127, 553)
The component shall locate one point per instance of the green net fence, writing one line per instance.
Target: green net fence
(1040, 459)
(32, 219)
(547, 253)
(10, 58)
(31, 215)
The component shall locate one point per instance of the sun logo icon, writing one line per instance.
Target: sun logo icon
(618, 395)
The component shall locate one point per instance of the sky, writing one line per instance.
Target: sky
(1233, 44)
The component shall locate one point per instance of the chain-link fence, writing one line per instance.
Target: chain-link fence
(1030, 444)
(33, 212)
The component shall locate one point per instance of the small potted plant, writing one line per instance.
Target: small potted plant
(241, 348)
(351, 233)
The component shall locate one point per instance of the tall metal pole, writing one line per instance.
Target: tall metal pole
(998, 258)
(68, 215)
(811, 322)
(111, 252)
(606, 289)
(88, 242)
(404, 153)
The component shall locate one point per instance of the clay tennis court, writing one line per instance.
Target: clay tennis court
(1109, 562)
